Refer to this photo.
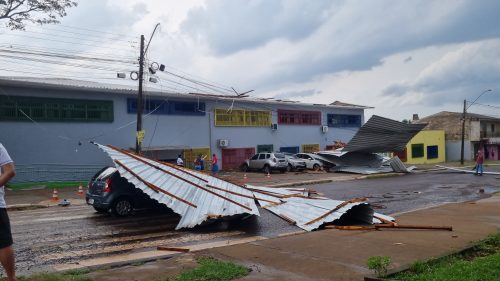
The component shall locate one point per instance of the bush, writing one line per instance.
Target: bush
(379, 264)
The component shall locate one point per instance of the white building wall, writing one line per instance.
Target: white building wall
(67, 143)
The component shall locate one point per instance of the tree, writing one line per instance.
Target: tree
(19, 12)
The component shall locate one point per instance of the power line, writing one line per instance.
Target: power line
(66, 42)
(36, 48)
(61, 63)
(59, 55)
(79, 33)
(71, 37)
(90, 30)
(55, 76)
(486, 105)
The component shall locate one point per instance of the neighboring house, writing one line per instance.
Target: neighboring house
(47, 125)
(481, 133)
(427, 147)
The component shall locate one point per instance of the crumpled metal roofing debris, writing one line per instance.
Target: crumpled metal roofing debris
(198, 197)
(466, 171)
(195, 196)
(309, 213)
(381, 134)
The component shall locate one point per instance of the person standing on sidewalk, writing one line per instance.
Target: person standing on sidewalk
(7, 172)
(215, 165)
(479, 163)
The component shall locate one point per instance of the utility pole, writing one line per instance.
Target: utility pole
(140, 134)
(463, 135)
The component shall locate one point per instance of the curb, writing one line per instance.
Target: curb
(22, 207)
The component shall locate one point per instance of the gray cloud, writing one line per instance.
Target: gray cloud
(459, 75)
(296, 94)
(356, 35)
(230, 26)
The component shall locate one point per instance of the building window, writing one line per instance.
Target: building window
(265, 148)
(164, 107)
(432, 152)
(343, 120)
(310, 148)
(417, 150)
(241, 117)
(290, 149)
(55, 110)
(295, 117)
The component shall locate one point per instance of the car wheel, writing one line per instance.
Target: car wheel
(266, 169)
(122, 207)
(244, 168)
(101, 210)
(289, 168)
(316, 167)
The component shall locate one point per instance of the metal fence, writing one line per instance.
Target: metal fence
(54, 172)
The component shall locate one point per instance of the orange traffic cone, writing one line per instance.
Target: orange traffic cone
(245, 177)
(80, 190)
(55, 196)
(268, 175)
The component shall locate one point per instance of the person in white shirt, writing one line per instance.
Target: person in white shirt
(180, 162)
(7, 172)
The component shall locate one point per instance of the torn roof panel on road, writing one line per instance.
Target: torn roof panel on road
(195, 196)
(198, 197)
(381, 134)
(311, 213)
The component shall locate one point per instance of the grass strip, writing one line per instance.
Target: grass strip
(210, 269)
(74, 275)
(481, 262)
(45, 184)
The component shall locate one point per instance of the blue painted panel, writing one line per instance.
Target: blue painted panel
(290, 149)
(164, 107)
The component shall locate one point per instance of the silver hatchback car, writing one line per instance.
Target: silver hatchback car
(267, 162)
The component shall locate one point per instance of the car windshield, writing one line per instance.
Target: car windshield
(292, 156)
(279, 155)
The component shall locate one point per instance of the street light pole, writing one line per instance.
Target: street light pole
(464, 114)
(463, 136)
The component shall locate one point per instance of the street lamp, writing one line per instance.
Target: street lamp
(463, 124)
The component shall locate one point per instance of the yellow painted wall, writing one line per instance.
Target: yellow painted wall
(428, 138)
(191, 154)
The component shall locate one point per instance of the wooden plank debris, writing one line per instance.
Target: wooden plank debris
(409, 226)
(173, 249)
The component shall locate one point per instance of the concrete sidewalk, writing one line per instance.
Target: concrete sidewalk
(340, 254)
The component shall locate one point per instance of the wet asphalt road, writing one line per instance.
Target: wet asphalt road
(54, 236)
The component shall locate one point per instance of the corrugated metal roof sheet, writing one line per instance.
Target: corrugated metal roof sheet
(381, 134)
(195, 196)
(310, 213)
(198, 197)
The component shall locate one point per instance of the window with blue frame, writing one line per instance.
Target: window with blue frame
(432, 152)
(164, 107)
(343, 120)
(290, 149)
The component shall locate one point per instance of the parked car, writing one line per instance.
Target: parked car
(108, 190)
(311, 161)
(294, 163)
(267, 162)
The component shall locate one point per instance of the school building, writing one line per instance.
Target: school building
(47, 125)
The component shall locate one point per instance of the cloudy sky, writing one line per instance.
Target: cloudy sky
(401, 57)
